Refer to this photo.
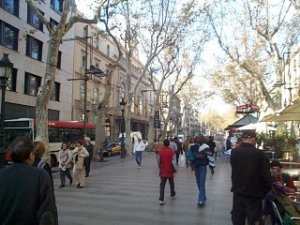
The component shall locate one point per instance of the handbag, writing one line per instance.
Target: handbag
(182, 160)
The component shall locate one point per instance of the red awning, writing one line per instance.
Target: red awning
(69, 124)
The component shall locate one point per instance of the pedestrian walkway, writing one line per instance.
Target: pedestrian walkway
(118, 193)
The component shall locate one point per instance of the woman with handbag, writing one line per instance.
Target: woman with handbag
(166, 170)
(79, 154)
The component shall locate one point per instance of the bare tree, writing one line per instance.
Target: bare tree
(159, 34)
(260, 22)
(69, 16)
(106, 11)
(179, 82)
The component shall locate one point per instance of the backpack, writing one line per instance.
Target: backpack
(189, 155)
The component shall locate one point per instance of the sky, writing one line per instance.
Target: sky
(208, 62)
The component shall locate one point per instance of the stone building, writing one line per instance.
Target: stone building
(24, 38)
(101, 53)
(290, 84)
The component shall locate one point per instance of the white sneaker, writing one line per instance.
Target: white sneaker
(161, 202)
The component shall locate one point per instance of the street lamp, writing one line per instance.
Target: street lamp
(123, 149)
(5, 71)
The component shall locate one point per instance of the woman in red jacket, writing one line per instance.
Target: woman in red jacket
(166, 170)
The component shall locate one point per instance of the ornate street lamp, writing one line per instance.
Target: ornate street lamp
(123, 149)
(5, 71)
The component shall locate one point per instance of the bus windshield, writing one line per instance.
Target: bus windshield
(11, 134)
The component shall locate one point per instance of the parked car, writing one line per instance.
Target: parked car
(111, 148)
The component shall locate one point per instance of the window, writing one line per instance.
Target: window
(82, 89)
(108, 50)
(32, 84)
(95, 95)
(58, 65)
(34, 48)
(55, 92)
(53, 23)
(33, 19)
(57, 5)
(97, 41)
(9, 36)
(83, 59)
(85, 31)
(97, 63)
(11, 6)
(12, 81)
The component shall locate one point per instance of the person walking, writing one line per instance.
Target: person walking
(179, 150)
(199, 160)
(64, 159)
(251, 181)
(138, 149)
(79, 154)
(26, 193)
(166, 170)
(212, 145)
(90, 148)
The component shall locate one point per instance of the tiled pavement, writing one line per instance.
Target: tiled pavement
(118, 193)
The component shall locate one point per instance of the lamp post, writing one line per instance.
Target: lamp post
(5, 71)
(123, 149)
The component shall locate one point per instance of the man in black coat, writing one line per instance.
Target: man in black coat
(26, 194)
(87, 161)
(251, 181)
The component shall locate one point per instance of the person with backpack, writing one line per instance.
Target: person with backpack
(198, 156)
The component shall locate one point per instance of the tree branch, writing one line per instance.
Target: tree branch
(41, 17)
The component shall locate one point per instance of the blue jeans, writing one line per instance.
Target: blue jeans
(200, 173)
(138, 157)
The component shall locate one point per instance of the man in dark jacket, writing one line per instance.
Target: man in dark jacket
(87, 161)
(199, 161)
(179, 149)
(251, 181)
(26, 194)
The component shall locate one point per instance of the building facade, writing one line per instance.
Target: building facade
(101, 52)
(190, 121)
(24, 38)
(291, 78)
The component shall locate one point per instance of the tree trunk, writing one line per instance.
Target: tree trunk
(128, 128)
(44, 94)
(100, 132)
(151, 131)
(166, 122)
(101, 116)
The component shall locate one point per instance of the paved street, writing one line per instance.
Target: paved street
(118, 193)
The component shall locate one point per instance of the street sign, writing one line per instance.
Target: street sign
(247, 108)
(156, 120)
